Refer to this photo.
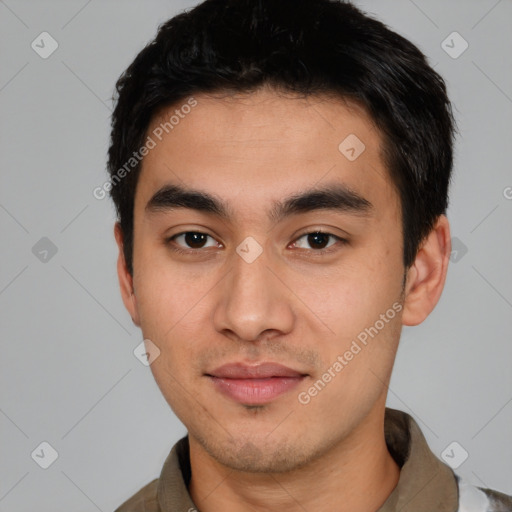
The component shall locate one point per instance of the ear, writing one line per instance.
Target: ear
(427, 275)
(125, 278)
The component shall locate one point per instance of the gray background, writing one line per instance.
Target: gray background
(68, 373)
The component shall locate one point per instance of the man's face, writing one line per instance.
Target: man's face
(254, 288)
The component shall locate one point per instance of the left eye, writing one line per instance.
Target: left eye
(318, 240)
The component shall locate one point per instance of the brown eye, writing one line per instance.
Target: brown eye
(318, 240)
(195, 240)
(192, 240)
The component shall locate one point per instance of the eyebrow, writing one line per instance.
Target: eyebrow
(334, 196)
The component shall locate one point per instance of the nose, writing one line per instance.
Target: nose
(254, 301)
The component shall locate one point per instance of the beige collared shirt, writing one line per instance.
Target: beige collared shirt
(426, 484)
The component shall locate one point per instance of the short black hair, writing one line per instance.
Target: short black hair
(309, 47)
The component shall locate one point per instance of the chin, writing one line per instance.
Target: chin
(265, 456)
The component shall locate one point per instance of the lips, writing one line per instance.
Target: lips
(260, 371)
(254, 385)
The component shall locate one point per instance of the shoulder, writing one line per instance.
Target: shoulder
(145, 500)
(479, 499)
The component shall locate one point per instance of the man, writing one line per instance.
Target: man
(280, 171)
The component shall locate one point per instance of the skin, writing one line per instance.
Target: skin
(289, 306)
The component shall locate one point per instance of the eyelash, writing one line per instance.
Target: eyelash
(317, 252)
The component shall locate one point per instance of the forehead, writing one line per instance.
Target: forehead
(261, 144)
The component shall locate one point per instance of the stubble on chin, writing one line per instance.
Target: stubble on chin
(266, 455)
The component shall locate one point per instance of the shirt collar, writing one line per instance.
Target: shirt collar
(425, 483)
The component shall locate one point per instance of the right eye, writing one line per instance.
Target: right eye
(194, 239)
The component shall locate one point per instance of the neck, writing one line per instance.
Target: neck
(358, 473)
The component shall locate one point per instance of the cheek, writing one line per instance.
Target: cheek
(166, 292)
(175, 313)
(362, 309)
(171, 315)
(353, 297)
(357, 369)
